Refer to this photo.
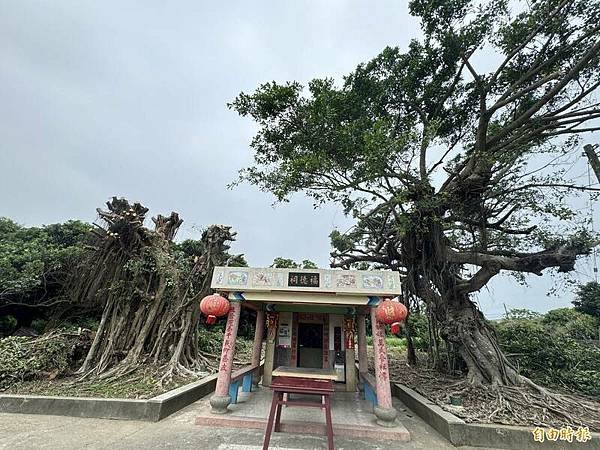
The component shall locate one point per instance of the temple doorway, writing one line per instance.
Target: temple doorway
(310, 345)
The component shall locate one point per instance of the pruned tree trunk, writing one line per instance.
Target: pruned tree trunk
(150, 301)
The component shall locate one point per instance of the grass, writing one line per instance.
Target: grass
(139, 385)
(393, 343)
(143, 383)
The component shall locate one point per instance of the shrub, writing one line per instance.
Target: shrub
(549, 355)
(571, 322)
(23, 358)
(588, 299)
(396, 343)
(418, 327)
(8, 324)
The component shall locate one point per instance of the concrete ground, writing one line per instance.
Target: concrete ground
(352, 416)
(346, 407)
(21, 431)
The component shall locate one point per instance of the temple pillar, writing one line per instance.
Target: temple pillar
(325, 355)
(257, 347)
(221, 399)
(363, 365)
(385, 412)
(272, 321)
(350, 354)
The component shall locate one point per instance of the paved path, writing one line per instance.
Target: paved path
(21, 431)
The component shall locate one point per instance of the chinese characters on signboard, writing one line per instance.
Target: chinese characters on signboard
(303, 279)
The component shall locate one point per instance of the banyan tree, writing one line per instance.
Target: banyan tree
(453, 153)
(149, 289)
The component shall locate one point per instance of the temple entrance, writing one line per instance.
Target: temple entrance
(310, 345)
(312, 317)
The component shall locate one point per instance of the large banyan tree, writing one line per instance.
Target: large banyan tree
(453, 155)
(149, 289)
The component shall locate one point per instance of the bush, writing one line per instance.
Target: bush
(8, 324)
(572, 323)
(588, 299)
(210, 341)
(23, 358)
(418, 327)
(396, 343)
(548, 353)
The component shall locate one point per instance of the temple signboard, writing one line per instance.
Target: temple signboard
(352, 282)
(300, 279)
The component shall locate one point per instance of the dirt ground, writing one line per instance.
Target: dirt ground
(524, 405)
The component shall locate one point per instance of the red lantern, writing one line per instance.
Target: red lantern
(391, 313)
(214, 306)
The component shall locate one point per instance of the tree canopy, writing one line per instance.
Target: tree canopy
(452, 155)
(286, 263)
(34, 265)
(588, 299)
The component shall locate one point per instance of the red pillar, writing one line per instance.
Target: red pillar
(257, 347)
(325, 355)
(385, 412)
(221, 399)
(363, 365)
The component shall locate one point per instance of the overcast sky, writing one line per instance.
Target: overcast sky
(129, 99)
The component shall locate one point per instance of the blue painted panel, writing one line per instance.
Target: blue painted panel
(247, 383)
(373, 301)
(233, 391)
(370, 395)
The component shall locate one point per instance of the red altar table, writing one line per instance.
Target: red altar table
(295, 385)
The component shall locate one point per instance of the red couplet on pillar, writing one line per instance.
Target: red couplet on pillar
(391, 313)
(349, 333)
(214, 306)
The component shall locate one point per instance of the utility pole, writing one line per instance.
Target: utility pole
(594, 163)
(593, 159)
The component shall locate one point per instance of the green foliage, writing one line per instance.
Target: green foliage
(308, 264)
(341, 242)
(588, 299)
(34, 259)
(8, 324)
(522, 313)
(39, 325)
(195, 248)
(285, 263)
(396, 343)
(211, 341)
(428, 148)
(23, 358)
(545, 350)
(572, 323)
(142, 383)
(418, 328)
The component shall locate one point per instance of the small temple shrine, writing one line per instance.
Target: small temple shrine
(315, 328)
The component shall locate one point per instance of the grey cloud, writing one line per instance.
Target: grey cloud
(129, 98)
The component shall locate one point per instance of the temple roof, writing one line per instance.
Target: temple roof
(363, 283)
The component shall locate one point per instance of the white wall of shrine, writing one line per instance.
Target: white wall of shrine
(336, 320)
